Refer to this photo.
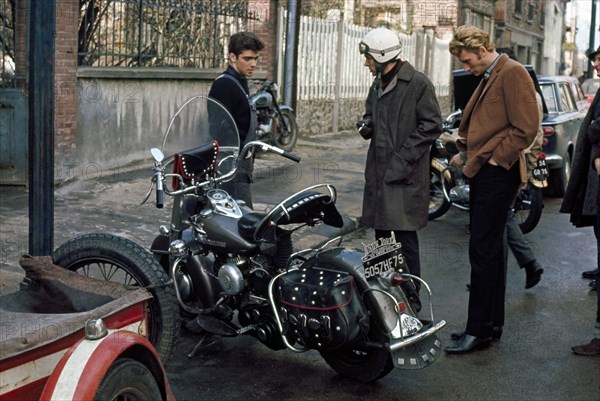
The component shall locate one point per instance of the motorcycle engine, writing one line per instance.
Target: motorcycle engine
(460, 193)
(231, 277)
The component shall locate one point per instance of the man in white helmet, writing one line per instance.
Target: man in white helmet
(402, 119)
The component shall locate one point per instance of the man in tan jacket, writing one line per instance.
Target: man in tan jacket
(500, 120)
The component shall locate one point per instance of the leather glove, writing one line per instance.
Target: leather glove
(365, 128)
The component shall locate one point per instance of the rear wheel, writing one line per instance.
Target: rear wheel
(128, 380)
(112, 258)
(528, 208)
(362, 363)
(285, 138)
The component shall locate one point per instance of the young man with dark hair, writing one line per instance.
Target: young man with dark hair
(231, 90)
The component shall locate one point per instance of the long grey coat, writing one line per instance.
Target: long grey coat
(407, 120)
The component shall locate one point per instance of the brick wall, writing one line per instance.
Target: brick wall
(266, 28)
(65, 65)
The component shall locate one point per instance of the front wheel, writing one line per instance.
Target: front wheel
(362, 363)
(112, 258)
(528, 208)
(285, 138)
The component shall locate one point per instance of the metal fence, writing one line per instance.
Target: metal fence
(169, 33)
(330, 66)
(8, 38)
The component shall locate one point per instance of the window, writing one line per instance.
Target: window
(567, 103)
(549, 98)
(518, 7)
(530, 10)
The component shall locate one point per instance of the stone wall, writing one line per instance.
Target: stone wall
(317, 116)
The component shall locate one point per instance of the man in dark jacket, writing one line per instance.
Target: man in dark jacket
(402, 120)
(582, 197)
(231, 90)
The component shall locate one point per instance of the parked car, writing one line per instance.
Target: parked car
(561, 125)
(577, 90)
(564, 110)
(590, 87)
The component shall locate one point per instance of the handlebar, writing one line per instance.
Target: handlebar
(160, 176)
(160, 193)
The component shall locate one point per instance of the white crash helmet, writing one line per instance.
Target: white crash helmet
(382, 44)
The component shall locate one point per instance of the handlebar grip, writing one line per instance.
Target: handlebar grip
(160, 195)
(291, 156)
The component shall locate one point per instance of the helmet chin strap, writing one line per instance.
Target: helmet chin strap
(379, 67)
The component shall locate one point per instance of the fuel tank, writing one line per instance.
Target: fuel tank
(220, 233)
(262, 100)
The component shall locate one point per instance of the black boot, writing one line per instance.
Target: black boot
(590, 273)
(533, 274)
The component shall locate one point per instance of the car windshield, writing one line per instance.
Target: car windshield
(590, 86)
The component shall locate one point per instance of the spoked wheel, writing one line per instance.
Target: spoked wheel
(365, 364)
(528, 208)
(438, 205)
(112, 258)
(286, 138)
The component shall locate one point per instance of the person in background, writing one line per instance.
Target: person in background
(500, 120)
(402, 119)
(516, 240)
(582, 197)
(231, 90)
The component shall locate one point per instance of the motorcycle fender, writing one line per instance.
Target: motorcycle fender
(283, 107)
(441, 166)
(81, 370)
(160, 245)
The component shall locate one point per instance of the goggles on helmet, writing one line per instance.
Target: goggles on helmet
(364, 48)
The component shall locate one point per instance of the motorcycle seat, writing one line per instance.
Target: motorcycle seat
(248, 223)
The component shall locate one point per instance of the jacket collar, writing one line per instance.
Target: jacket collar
(404, 74)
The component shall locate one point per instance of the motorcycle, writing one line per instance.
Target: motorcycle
(450, 188)
(276, 124)
(235, 271)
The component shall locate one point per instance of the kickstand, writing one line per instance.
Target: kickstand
(205, 340)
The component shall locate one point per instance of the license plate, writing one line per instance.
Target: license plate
(540, 172)
(381, 257)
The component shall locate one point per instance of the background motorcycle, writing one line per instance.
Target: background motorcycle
(449, 187)
(276, 123)
(235, 271)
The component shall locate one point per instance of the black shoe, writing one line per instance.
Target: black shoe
(533, 274)
(468, 344)
(594, 285)
(590, 273)
(496, 334)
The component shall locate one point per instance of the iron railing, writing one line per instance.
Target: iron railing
(159, 33)
(8, 38)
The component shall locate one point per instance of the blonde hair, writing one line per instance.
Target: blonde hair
(471, 38)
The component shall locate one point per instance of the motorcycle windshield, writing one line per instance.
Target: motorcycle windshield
(193, 128)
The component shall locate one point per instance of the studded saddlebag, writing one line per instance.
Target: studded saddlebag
(322, 308)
